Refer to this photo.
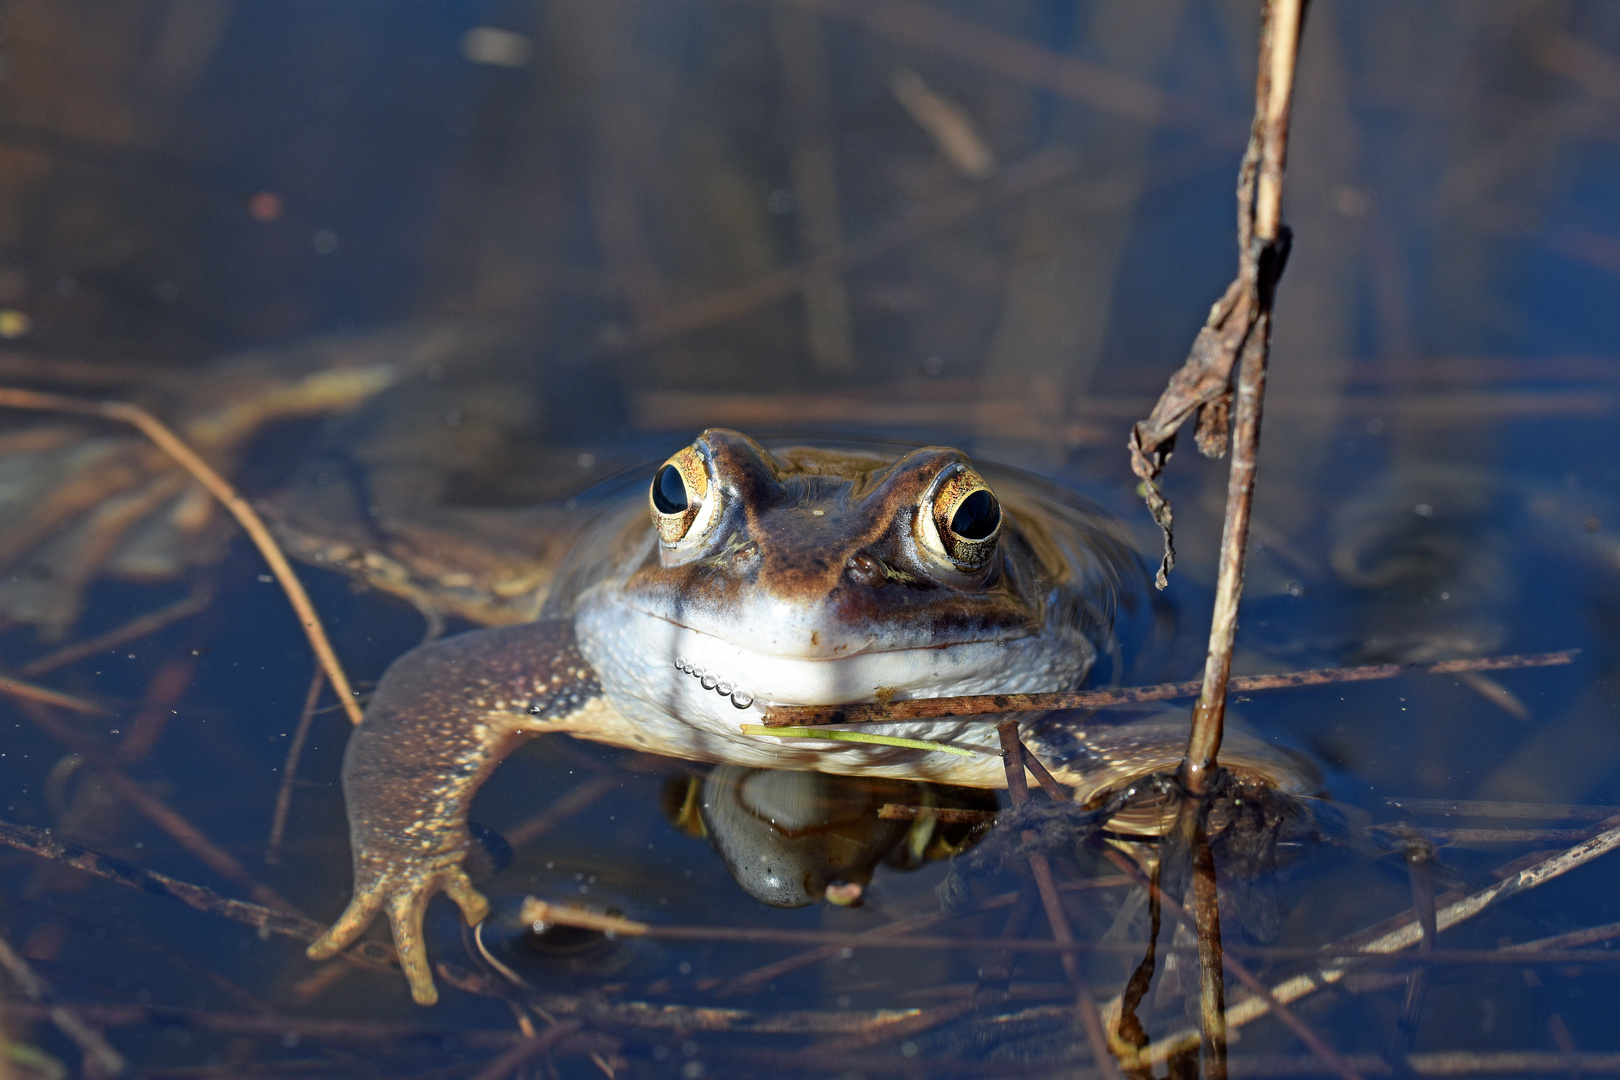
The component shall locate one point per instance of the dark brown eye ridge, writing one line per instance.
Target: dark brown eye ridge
(669, 491)
(977, 517)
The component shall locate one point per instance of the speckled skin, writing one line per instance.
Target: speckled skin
(805, 577)
(442, 718)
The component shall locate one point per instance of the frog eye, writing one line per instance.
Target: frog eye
(963, 520)
(682, 509)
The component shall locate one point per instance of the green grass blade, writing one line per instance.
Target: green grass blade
(837, 735)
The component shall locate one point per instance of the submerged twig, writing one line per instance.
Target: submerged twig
(154, 809)
(1420, 857)
(1404, 936)
(1145, 1053)
(524, 1052)
(1040, 868)
(138, 627)
(1211, 956)
(266, 920)
(100, 1059)
(188, 459)
(27, 691)
(289, 770)
(992, 704)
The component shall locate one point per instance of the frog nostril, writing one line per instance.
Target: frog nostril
(867, 570)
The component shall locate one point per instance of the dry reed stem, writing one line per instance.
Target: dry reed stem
(532, 828)
(155, 810)
(1492, 809)
(992, 704)
(138, 627)
(27, 691)
(1405, 935)
(943, 814)
(377, 954)
(1013, 757)
(1331, 1058)
(289, 770)
(1267, 241)
(936, 30)
(524, 1052)
(1420, 858)
(246, 516)
(1211, 956)
(100, 1059)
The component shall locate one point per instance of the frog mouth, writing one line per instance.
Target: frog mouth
(747, 677)
(635, 651)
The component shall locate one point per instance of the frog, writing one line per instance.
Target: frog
(741, 578)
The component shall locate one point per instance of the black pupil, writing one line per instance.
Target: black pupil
(977, 517)
(669, 491)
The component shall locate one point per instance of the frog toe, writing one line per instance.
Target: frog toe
(405, 916)
(362, 909)
(459, 887)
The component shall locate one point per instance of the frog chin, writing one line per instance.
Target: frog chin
(688, 671)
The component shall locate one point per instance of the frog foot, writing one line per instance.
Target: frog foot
(404, 890)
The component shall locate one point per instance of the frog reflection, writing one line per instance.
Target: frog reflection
(788, 838)
(792, 838)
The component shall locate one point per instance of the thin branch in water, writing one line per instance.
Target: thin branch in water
(289, 770)
(44, 695)
(1491, 809)
(944, 814)
(761, 975)
(531, 829)
(1211, 956)
(1146, 1054)
(995, 704)
(1407, 933)
(1012, 753)
(1420, 859)
(150, 623)
(1049, 784)
(520, 1055)
(100, 1059)
(266, 920)
(154, 809)
(188, 459)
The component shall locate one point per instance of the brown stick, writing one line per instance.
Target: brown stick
(289, 770)
(154, 809)
(1420, 857)
(1329, 1057)
(1211, 957)
(524, 1052)
(27, 691)
(138, 627)
(1265, 244)
(992, 704)
(171, 444)
(100, 1059)
(1012, 756)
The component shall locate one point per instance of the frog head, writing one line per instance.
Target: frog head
(815, 576)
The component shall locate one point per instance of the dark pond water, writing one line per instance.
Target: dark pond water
(568, 236)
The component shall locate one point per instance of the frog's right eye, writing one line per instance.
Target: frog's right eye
(680, 496)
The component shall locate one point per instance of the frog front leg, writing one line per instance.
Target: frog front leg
(443, 716)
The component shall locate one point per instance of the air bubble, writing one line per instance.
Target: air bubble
(725, 689)
(710, 681)
(742, 699)
(680, 662)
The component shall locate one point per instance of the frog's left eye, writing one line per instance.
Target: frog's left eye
(681, 506)
(963, 521)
